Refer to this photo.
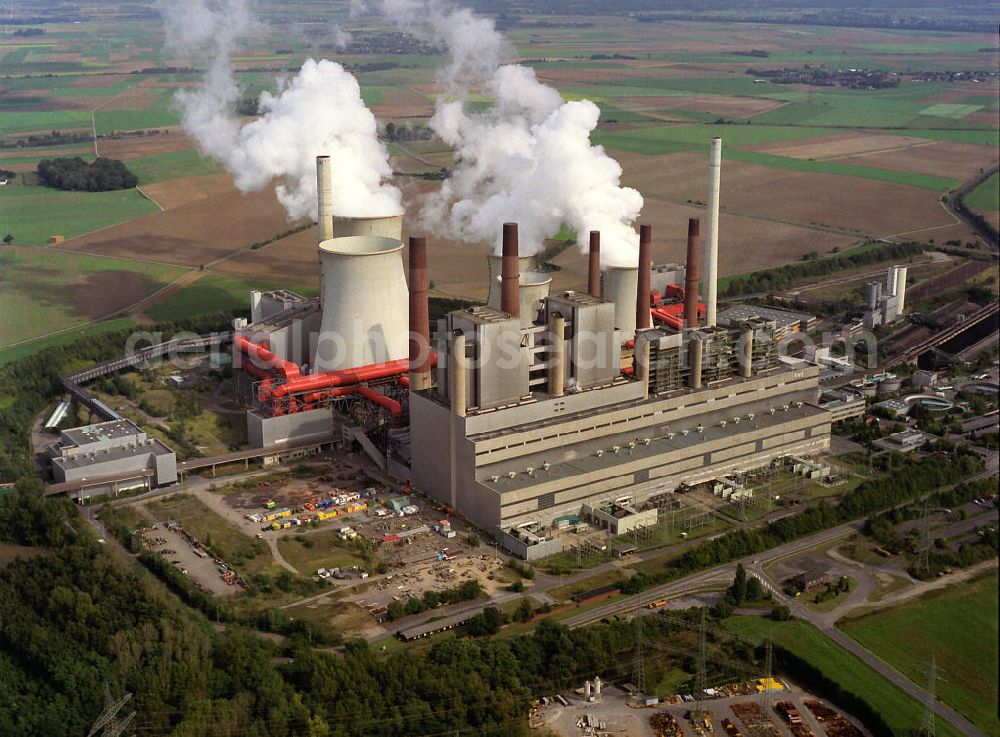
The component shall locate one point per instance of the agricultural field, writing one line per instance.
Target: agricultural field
(808, 168)
(49, 290)
(901, 712)
(958, 627)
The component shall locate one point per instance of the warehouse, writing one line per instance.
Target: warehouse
(110, 457)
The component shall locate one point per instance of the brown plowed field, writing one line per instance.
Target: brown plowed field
(857, 204)
(942, 158)
(177, 192)
(135, 147)
(842, 144)
(194, 233)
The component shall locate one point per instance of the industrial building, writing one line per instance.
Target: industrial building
(539, 404)
(885, 306)
(786, 322)
(103, 455)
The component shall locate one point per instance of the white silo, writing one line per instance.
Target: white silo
(620, 285)
(900, 289)
(366, 304)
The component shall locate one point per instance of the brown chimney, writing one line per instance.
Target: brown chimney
(594, 274)
(510, 278)
(420, 338)
(643, 319)
(691, 276)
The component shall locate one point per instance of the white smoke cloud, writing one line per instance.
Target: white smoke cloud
(319, 111)
(529, 158)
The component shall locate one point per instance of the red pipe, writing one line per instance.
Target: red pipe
(343, 377)
(381, 399)
(259, 354)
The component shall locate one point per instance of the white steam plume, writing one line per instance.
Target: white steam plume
(319, 111)
(529, 158)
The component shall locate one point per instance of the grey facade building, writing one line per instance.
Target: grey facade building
(110, 457)
(544, 449)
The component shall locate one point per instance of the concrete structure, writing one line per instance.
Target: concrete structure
(111, 449)
(885, 306)
(365, 308)
(842, 405)
(786, 322)
(542, 456)
(264, 431)
(905, 441)
(710, 261)
(924, 379)
(619, 286)
(619, 517)
(894, 407)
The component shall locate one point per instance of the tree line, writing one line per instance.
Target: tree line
(76, 175)
(783, 277)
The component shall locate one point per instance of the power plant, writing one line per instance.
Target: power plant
(540, 404)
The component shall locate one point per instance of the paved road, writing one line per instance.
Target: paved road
(708, 578)
(852, 646)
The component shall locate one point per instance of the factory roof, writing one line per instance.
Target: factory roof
(577, 298)
(480, 314)
(641, 448)
(113, 430)
(783, 318)
(151, 446)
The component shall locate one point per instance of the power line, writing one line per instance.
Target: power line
(928, 729)
(109, 724)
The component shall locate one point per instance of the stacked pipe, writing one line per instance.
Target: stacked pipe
(691, 275)
(510, 298)
(324, 194)
(594, 270)
(642, 313)
(420, 339)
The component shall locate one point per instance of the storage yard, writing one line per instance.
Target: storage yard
(793, 713)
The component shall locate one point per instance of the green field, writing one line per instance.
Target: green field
(45, 121)
(33, 213)
(958, 627)
(319, 550)
(160, 114)
(173, 165)
(105, 326)
(42, 293)
(986, 196)
(212, 293)
(900, 711)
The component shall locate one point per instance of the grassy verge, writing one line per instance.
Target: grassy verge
(901, 712)
(956, 626)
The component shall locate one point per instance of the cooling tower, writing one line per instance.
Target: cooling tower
(386, 226)
(366, 311)
(525, 263)
(620, 285)
(534, 288)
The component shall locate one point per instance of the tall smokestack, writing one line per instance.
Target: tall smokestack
(510, 275)
(594, 273)
(420, 336)
(691, 275)
(711, 259)
(324, 192)
(643, 318)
